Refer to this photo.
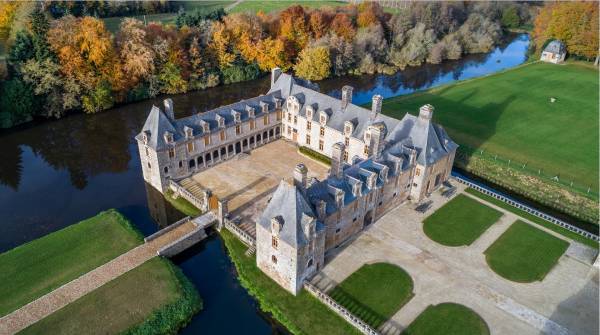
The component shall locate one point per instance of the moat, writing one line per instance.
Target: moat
(57, 173)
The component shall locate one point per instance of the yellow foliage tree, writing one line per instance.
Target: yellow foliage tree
(313, 63)
(7, 15)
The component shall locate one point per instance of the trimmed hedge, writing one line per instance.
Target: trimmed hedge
(315, 155)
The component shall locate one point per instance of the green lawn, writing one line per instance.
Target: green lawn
(40, 266)
(524, 253)
(447, 319)
(375, 292)
(182, 205)
(270, 6)
(460, 222)
(510, 114)
(301, 314)
(534, 219)
(156, 289)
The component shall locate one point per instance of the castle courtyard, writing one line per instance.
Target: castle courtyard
(247, 181)
(564, 302)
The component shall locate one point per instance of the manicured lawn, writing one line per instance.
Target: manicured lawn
(40, 266)
(182, 205)
(460, 222)
(447, 319)
(375, 292)
(270, 6)
(155, 288)
(510, 114)
(301, 314)
(524, 253)
(535, 219)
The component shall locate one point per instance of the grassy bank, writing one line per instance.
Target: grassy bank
(460, 222)
(535, 219)
(509, 116)
(154, 298)
(301, 314)
(182, 205)
(40, 266)
(524, 253)
(375, 292)
(447, 319)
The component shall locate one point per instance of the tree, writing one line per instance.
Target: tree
(134, 50)
(170, 79)
(416, 49)
(21, 50)
(7, 15)
(293, 26)
(222, 45)
(271, 53)
(342, 26)
(510, 17)
(313, 63)
(17, 103)
(39, 31)
(98, 99)
(369, 13)
(319, 23)
(45, 79)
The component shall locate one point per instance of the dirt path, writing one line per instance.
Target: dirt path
(71, 291)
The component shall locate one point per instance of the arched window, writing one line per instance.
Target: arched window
(191, 163)
(310, 263)
(274, 259)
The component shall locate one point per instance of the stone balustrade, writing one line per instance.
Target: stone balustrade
(166, 229)
(201, 204)
(340, 310)
(240, 233)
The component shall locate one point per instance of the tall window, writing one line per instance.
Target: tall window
(266, 120)
(346, 155)
(366, 150)
(347, 142)
(207, 140)
(289, 130)
(222, 135)
(238, 129)
(278, 115)
(307, 139)
(295, 119)
(274, 242)
(274, 259)
(147, 152)
(171, 153)
(308, 125)
(289, 117)
(190, 146)
(252, 124)
(418, 172)
(322, 131)
(321, 145)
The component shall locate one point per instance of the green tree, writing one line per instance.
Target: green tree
(17, 103)
(314, 63)
(170, 79)
(39, 31)
(98, 99)
(510, 17)
(21, 51)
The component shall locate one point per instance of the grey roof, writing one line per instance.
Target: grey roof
(156, 125)
(359, 116)
(289, 203)
(430, 140)
(556, 47)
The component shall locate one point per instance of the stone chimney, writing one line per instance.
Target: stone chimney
(426, 113)
(337, 160)
(300, 180)
(321, 210)
(275, 73)
(376, 106)
(169, 108)
(346, 96)
(377, 144)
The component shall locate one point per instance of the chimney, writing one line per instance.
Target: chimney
(169, 109)
(300, 173)
(376, 106)
(339, 199)
(337, 160)
(426, 113)
(346, 96)
(321, 210)
(377, 144)
(275, 73)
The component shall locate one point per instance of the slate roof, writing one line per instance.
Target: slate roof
(289, 203)
(556, 47)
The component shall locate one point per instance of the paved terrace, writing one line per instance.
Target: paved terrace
(565, 302)
(71, 291)
(248, 180)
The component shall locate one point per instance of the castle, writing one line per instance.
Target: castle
(377, 163)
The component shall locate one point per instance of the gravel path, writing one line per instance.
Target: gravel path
(71, 291)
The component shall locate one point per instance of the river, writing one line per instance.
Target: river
(56, 173)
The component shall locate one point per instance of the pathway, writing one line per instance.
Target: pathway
(230, 7)
(71, 291)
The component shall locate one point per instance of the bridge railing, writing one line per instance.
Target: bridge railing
(240, 233)
(340, 310)
(528, 209)
(187, 195)
(166, 229)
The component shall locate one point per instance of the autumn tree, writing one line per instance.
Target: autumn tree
(222, 45)
(294, 27)
(313, 63)
(135, 51)
(343, 27)
(319, 23)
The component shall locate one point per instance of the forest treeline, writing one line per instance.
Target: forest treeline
(70, 62)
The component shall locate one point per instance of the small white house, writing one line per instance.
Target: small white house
(554, 52)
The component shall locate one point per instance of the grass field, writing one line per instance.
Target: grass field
(447, 319)
(524, 253)
(510, 114)
(534, 219)
(459, 222)
(374, 292)
(112, 23)
(182, 205)
(38, 267)
(270, 6)
(126, 302)
(301, 314)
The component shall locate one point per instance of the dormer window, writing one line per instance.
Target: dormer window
(168, 137)
(236, 117)
(220, 121)
(205, 126)
(189, 132)
(146, 137)
(276, 224)
(309, 112)
(348, 128)
(251, 112)
(277, 103)
(265, 107)
(323, 117)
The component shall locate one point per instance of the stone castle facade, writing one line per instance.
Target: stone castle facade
(377, 163)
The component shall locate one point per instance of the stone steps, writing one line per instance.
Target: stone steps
(248, 227)
(251, 251)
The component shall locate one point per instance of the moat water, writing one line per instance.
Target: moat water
(57, 173)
